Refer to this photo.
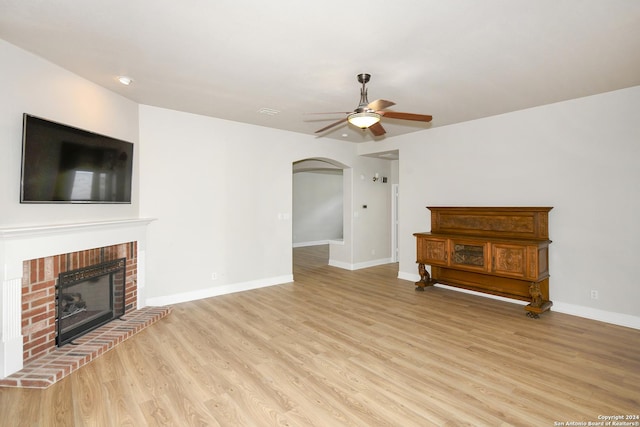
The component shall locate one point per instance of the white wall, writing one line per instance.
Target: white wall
(371, 225)
(29, 84)
(582, 157)
(222, 193)
(367, 230)
(317, 207)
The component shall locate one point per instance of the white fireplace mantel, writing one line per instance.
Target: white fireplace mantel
(19, 244)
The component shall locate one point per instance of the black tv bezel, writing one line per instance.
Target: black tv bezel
(80, 131)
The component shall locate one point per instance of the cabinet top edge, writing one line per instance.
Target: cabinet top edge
(482, 238)
(494, 208)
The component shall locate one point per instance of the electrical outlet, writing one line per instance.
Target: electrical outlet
(214, 276)
(594, 294)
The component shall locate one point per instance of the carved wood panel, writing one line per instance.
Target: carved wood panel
(509, 260)
(433, 251)
(507, 222)
(495, 223)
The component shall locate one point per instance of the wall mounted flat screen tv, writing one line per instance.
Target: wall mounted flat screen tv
(63, 164)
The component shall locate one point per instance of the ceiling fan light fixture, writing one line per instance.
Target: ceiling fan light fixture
(364, 119)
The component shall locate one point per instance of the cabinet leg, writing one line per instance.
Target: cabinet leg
(425, 278)
(538, 304)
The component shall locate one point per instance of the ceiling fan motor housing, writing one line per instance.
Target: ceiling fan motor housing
(364, 101)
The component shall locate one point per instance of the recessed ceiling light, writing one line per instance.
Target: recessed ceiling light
(125, 80)
(344, 135)
(268, 111)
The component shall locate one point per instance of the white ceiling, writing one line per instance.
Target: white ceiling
(457, 60)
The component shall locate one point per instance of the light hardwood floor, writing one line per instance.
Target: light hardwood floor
(348, 348)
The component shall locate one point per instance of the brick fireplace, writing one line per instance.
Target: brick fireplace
(31, 259)
(39, 294)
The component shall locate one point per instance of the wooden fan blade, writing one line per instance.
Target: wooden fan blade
(377, 129)
(332, 125)
(380, 104)
(406, 116)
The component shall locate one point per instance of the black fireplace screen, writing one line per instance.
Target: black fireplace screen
(88, 298)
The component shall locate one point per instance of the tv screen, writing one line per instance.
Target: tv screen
(63, 164)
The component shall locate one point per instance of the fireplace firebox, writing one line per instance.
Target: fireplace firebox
(88, 298)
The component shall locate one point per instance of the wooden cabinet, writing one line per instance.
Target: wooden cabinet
(501, 251)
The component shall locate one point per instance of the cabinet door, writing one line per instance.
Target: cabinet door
(509, 260)
(433, 250)
(469, 255)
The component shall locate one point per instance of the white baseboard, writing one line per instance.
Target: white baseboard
(314, 243)
(359, 265)
(482, 294)
(408, 276)
(619, 319)
(319, 243)
(217, 291)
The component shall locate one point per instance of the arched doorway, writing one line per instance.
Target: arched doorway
(318, 206)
